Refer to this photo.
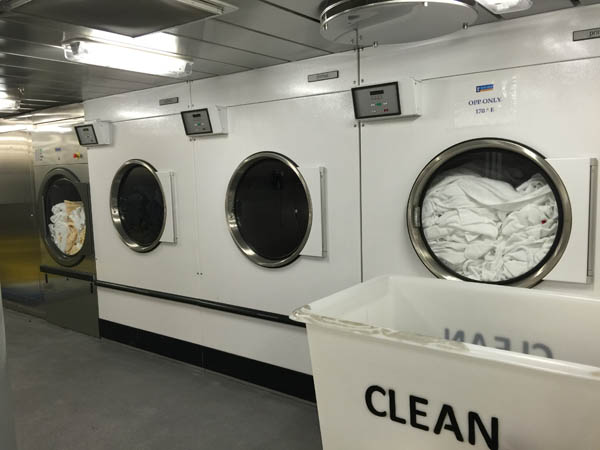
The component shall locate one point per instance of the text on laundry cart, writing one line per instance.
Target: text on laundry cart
(414, 412)
(501, 343)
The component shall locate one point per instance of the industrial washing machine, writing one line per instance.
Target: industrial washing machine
(68, 265)
(143, 198)
(499, 193)
(269, 166)
(287, 176)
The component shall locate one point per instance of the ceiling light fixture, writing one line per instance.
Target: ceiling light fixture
(125, 57)
(362, 23)
(9, 104)
(506, 6)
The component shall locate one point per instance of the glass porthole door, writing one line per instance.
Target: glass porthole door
(491, 211)
(65, 217)
(138, 206)
(268, 209)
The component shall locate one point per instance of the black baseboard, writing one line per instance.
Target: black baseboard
(262, 374)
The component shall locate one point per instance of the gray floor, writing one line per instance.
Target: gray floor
(73, 392)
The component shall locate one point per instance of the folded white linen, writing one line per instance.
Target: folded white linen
(486, 229)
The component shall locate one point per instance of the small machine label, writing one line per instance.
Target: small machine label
(492, 103)
(584, 35)
(324, 76)
(168, 101)
(484, 88)
(414, 411)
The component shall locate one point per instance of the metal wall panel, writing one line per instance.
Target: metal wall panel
(19, 238)
(252, 41)
(278, 22)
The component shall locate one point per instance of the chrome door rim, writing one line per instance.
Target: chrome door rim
(55, 253)
(232, 221)
(414, 203)
(114, 205)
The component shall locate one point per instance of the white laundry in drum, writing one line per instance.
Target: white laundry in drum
(67, 227)
(486, 229)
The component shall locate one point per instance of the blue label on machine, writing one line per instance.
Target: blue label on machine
(484, 88)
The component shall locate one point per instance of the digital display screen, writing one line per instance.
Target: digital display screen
(197, 122)
(86, 135)
(382, 100)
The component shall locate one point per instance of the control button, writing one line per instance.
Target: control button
(385, 110)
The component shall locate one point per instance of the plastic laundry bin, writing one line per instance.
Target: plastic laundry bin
(414, 363)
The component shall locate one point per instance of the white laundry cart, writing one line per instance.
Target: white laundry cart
(414, 363)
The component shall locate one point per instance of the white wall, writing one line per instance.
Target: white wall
(557, 94)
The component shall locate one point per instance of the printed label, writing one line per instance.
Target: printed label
(168, 101)
(484, 88)
(323, 76)
(584, 35)
(413, 412)
(486, 104)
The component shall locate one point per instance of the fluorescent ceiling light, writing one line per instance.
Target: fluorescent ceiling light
(506, 6)
(9, 104)
(125, 57)
(9, 128)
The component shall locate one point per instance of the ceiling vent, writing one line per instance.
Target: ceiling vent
(367, 22)
(126, 17)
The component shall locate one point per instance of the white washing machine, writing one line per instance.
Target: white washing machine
(493, 183)
(266, 202)
(279, 203)
(142, 191)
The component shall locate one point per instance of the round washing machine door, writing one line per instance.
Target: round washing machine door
(491, 211)
(137, 205)
(268, 209)
(65, 212)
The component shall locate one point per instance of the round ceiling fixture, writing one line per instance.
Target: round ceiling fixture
(368, 22)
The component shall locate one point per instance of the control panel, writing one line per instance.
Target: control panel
(205, 121)
(376, 101)
(65, 155)
(94, 133)
(197, 122)
(396, 99)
